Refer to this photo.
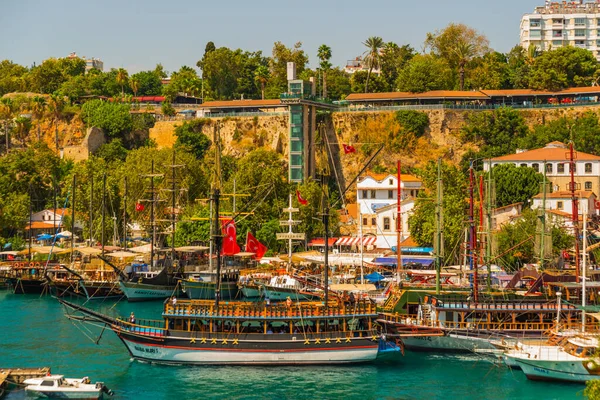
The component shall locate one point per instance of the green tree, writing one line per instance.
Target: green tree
(23, 126)
(160, 72)
(167, 109)
(262, 77)
(372, 56)
(393, 59)
(490, 72)
(358, 82)
(424, 73)
(324, 55)
(12, 77)
(278, 66)
(592, 390)
(443, 43)
(562, 68)
(516, 241)
(338, 84)
(122, 78)
(422, 222)
(112, 151)
(183, 81)
(113, 118)
(190, 138)
(497, 132)
(463, 51)
(515, 184)
(135, 85)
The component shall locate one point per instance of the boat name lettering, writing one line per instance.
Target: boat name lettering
(541, 370)
(146, 349)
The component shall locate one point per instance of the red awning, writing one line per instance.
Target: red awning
(320, 242)
(354, 241)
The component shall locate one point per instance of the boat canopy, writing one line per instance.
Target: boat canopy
(374, 277)
(354, 241)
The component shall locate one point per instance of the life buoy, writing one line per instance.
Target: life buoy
(32, 265)
(38, 265)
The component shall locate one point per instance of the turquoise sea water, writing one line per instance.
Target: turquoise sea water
(35, 333)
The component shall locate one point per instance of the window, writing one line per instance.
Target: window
(580, 43)
(374, 221)
(535, 23)
(365, 221)
(390, 194)
(559, 205)
(549, 168)
(560, 168)
(536, 167)
(523, 165)
(391, 182)
(557, 43)
(386, 224)
(579, 21)
(535, 34)
(588, 185)
(557, 34)
(373, 194)
(588, 168)
(557, 21)
(364, 195)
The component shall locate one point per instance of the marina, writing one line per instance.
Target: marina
(416, 375)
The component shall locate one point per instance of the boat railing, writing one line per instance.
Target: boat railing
(147, 327)
(502, 305)
(197, 308)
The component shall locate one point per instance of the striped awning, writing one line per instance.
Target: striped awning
(354, 241)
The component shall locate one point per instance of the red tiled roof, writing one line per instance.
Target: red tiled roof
(321, 242)
(40, 225)
(435, 94)
(549, 153)
(242, 103)
(565, 194)
(381, 177)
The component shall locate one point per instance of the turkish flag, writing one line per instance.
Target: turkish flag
(139, 207)
(230, 246)
(301, 199)
(348, 149)
(254, 246)
(597, 204)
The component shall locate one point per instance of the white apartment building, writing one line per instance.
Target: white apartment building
(559, 24)
(561, 203)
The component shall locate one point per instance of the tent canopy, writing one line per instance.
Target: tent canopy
(121, 254)
(374, 277)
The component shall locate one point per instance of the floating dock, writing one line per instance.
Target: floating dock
(10, 377)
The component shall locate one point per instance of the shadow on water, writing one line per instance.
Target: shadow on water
(36, 333)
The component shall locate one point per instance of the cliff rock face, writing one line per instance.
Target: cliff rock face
(239, 135)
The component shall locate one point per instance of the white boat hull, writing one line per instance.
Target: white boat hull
(449, 342)
(66, 394)
(175, 355)
(141, 292)
(571, 370)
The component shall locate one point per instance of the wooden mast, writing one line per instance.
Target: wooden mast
(575, 209)
(399, 223)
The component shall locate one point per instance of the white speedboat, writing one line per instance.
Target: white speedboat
(59, 387)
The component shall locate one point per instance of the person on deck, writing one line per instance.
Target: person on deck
(132, 318)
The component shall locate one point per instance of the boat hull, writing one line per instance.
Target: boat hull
(546, 370)
(450, 342)
(279, 349)
(206, 290)
(28, 286)
(66, 394)
(281, 294)
(250, 292)
(135, 291)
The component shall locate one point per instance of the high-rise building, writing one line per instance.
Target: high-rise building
(90, 63)
(563, 24)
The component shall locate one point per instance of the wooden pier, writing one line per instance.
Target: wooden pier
(16, 376)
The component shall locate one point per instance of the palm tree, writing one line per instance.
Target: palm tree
(261, 76)
(324, 54)
(56, 104)
(7, 109)
(121, 78)
(39, 109)
(532, 52)
(372, 56)
(134, 83)
(464, 52)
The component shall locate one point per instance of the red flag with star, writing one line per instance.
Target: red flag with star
(348, 149)
(139, 207)
(254, 246)
(301, 199)
(230, 246)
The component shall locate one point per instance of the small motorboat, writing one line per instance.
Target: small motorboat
(57, 386)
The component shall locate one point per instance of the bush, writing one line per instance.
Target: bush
(167, 109)
(190, 136)
(412, 121)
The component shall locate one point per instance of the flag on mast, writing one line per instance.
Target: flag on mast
(254, 246)
(301, 199)
(230, 246)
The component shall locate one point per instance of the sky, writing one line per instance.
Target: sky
(137, 35)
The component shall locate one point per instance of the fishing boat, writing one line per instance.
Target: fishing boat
(57, 386)
(203, 285)
(27, 278)
(143, 286)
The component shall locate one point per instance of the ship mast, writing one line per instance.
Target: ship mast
(472, 236)
(575, 209)
(398, 224)
(217, 237)
(72, 218)
(439, 238)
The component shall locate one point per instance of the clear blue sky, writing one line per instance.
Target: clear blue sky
(139, 34)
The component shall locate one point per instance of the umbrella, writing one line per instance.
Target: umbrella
(44, 236)
(64, 235)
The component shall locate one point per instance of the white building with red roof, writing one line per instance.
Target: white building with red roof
(555, 156)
